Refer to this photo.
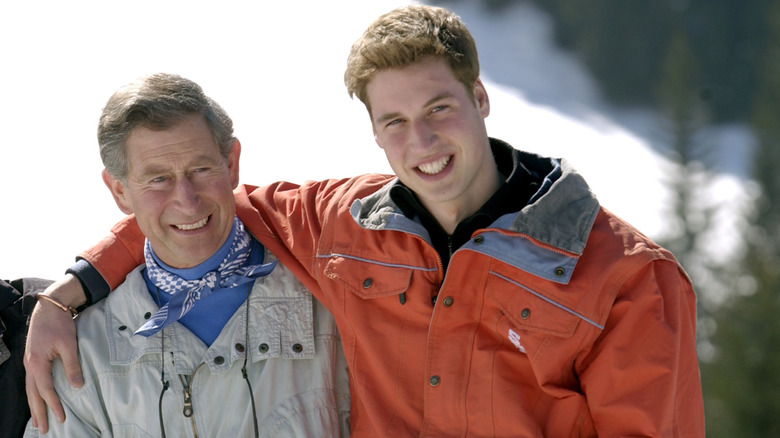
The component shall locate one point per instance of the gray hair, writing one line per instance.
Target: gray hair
(157, 102)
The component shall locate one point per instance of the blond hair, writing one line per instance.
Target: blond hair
(406, 35)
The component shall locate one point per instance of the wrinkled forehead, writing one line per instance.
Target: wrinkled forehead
(186, 143)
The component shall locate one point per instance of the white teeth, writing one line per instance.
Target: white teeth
(434, 167)
(199, 224)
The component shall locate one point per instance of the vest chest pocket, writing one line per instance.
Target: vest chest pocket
(368, 279)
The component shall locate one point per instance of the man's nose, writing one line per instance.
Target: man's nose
(186, 194)
(423, 135)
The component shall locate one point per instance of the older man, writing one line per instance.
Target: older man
(211, 336)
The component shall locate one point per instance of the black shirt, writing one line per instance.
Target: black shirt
(525, 175)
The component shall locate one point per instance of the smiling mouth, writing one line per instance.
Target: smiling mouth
(194, 226)
(434, 167)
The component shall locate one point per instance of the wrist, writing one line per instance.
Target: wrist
(44, 297)
(67, 291)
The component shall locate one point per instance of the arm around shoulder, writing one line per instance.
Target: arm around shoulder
(118, 253)
(52, 333)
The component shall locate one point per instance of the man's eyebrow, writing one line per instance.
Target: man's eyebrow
(155, 169)
(438, 97)
(431, 101)
(387, 117)
(152, 169)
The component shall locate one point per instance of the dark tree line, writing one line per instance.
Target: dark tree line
(625, 44)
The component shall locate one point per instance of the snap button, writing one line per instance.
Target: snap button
(367, 283)
(478, 240)
(448, 301)
(122, 327)
(219, 360)
(147, 315)
(434, 381)
(559, 271)
(240, 347)
(263, 348)
(525, 313)
(297, 348)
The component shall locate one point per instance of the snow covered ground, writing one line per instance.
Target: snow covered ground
(277, 68)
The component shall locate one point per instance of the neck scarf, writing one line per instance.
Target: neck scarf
(232, 271)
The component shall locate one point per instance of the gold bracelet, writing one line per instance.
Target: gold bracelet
(73, 312)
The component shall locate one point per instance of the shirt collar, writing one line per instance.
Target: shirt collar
(523, 180)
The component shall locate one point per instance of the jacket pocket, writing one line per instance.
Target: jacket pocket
(530, 310)
(369, 279)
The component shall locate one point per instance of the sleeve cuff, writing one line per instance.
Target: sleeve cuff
(95, 287)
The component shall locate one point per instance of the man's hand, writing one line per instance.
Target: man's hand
(52, 333)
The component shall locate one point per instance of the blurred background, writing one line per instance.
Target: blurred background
(669, 108)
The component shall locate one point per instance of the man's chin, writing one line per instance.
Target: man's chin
(186, 257)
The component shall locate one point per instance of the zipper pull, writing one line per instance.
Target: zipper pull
(402, 298)
(187, 403)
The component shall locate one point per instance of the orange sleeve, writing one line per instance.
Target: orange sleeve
(285, 217)
(290, 220)
(118, 253)
(642, 376)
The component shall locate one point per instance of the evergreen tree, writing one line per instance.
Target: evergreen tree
(624, 42)
(742, 384)
(684, 116)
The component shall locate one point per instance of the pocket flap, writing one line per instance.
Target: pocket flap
(531, 310)
(368, 279)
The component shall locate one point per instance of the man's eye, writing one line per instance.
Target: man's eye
(393, 122)
(158, 179)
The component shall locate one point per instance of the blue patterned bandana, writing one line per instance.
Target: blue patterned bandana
(231, 272)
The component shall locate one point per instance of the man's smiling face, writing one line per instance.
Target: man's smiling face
(432, 130)
(181, 190)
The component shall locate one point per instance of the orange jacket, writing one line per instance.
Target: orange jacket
(558, 321)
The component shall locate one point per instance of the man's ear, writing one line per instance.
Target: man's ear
(118, 191)
(481, 98)
(232, 162)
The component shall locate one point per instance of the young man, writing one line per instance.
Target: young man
(484, 291)
(211, 336)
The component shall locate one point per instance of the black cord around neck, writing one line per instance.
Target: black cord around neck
(165, 383)
(246, 357)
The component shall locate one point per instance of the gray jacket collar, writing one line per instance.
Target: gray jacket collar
(560, 214)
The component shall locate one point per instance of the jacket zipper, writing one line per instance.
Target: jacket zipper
(188, 411)
(402, 295)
